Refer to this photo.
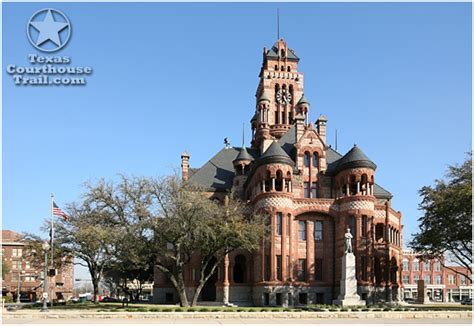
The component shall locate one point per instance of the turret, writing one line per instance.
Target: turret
(185, 166)
(355, 174)
(302, 107)
(321, 127)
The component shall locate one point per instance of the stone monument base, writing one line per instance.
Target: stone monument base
(348, 295)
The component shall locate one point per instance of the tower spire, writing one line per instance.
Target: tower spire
(278, 23)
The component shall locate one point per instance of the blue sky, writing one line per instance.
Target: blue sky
(393, 78)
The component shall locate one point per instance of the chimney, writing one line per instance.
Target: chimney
(321, 127)
(299, 126)
(185, 166)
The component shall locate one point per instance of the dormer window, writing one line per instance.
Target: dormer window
(282, 53)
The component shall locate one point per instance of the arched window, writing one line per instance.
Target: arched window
(287, 183)
(282, 68)
(268, 182)
(276, 67)
(315, 159)
(240, 268)
(289, 69)
(307, 158)
(279, 181)
(352, 185)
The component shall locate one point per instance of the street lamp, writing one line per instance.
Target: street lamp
(45, 280)
(18, 292)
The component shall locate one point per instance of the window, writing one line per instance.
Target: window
(416, 266)
(451, 279)
(427, 279)
(438, 279)
(306, 190)
(426, 266)
(16, 252)
(27, 264)
(301, 269)
(306, 159)
(278, 263)
(437, 266)
(314, 190)
(318, 230)
(302, 230)
(406, 279)
(363, 267)
(277, 116)
(315, 160)
(416, 278)
(405, 265)
(462, 279)
(363, 226)
(352, 226)
(319, 269)
(267, 267)
(279, 218)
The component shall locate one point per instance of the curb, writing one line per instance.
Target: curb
(242, 315)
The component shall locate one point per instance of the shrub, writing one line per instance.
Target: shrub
(167, 310)
(192, 309)
(203, 309)
(215, 310)
(179, 309)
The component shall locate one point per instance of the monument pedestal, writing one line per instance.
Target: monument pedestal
(348, 296)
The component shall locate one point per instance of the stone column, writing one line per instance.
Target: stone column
(284, 223)
(358, 188)
(347, 189)
(263, 261)
(283, 184)
(289, 186)
(310, 251)
(272, 248)
(225, 283)
(290, 251)
(273, 184)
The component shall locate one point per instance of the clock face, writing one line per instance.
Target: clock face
(283, 97)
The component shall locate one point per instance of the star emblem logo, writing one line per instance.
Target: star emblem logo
(48, 30)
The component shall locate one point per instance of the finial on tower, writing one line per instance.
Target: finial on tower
(278, 23)
(243, 134)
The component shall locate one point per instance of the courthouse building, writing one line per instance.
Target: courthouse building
(312, 193)
(443, 284)
(23, 275)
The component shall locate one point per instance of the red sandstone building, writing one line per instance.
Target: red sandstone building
(442, 284)
(27, 277)
(312, 193)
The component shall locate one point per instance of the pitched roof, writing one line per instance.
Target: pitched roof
(218, 173)
(273, 53)
(355, 158)
(263, 97)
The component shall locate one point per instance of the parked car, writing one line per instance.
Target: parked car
(109, 299)
(467, 301)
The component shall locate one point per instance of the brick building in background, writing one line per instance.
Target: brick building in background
(443, 284)
(24, 273)
(312, 193)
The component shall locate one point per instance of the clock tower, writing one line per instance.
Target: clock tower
(278, 93)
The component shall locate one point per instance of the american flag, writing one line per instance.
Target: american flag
(59, 212)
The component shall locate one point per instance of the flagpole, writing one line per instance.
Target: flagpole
(52, 238)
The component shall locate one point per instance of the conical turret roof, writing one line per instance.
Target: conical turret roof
(355, 158)
(263, 97)
(275, 154)
(243, 155)
(303, 100)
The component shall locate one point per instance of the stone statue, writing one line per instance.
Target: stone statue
(348, 241)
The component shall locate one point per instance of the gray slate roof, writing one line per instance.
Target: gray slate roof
(217, 174)
(273, 53)
(355, 158)
(243, 155)
(275, 154)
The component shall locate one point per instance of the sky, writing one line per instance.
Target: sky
(393, 78)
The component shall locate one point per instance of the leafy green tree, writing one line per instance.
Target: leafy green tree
(446, 227)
